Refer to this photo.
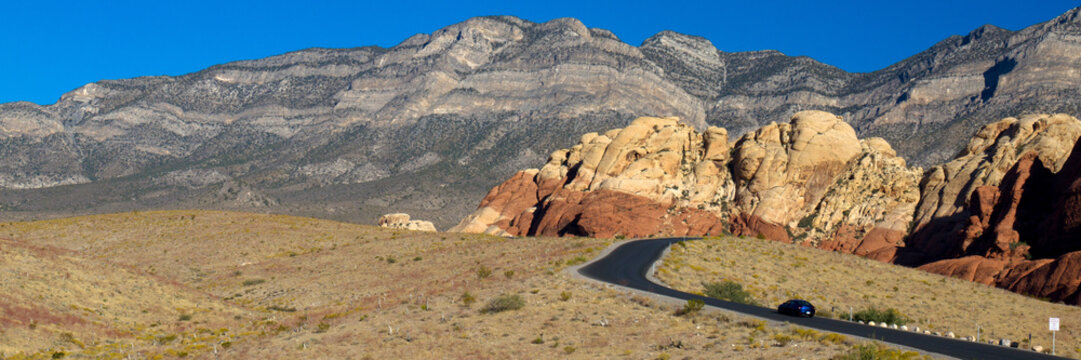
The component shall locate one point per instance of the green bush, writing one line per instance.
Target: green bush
(889, 316)
(692, 306)
(503, 303)
(729, 291)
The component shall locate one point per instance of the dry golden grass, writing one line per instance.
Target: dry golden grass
(774, 272)
(271, 286)
(53, 300)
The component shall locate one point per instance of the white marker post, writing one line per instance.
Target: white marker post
(1053, 324)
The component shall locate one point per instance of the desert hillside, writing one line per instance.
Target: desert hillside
(207, 284)
(772, 272)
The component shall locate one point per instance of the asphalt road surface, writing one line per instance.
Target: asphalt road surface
(628, 264)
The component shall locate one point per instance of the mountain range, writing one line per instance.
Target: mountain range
(429, 125)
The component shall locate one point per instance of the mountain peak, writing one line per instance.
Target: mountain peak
(668, 38)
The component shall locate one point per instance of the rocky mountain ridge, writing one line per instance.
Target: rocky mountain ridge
(1002, 213)
(354, 133)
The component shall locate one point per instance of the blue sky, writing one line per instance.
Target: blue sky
(48, 48)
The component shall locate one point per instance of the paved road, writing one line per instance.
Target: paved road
(628, 264)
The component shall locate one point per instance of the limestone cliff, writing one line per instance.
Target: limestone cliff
(441, 117)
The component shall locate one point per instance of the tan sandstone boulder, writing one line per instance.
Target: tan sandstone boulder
(402, 221)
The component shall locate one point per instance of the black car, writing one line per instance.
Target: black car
(797, 307)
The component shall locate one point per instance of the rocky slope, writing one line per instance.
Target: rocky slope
(442, 117)
(1004, 212)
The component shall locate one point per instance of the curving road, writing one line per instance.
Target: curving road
(629, 264)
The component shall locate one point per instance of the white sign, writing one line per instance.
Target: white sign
(1054, 324)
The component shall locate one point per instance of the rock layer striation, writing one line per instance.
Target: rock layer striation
(354, 133)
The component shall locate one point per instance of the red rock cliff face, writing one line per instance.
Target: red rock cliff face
(1024, 234)
(1005, 212)
(810, 181)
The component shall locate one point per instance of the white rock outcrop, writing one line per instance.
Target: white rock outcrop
(402, 221)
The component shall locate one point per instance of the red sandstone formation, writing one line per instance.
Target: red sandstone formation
(1006, 212)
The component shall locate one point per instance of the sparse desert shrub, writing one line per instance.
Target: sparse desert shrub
(692, 306)
(564, 296)
(538, 340)
(391, 260)
(729, 291)
(418, 258)
(281, 308)
(832, 338)
(577, 260)
(58, 355)
(70, 338)
(568, 349)
(782, 339)
(642, 300)
(876, 351)
(251, 282)
(185, 317)
(503, 303)
(322, 327)
(165, 339)
(889, 316)
(467, 299)
(509, 274)
(483, 272)
(806, 334)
